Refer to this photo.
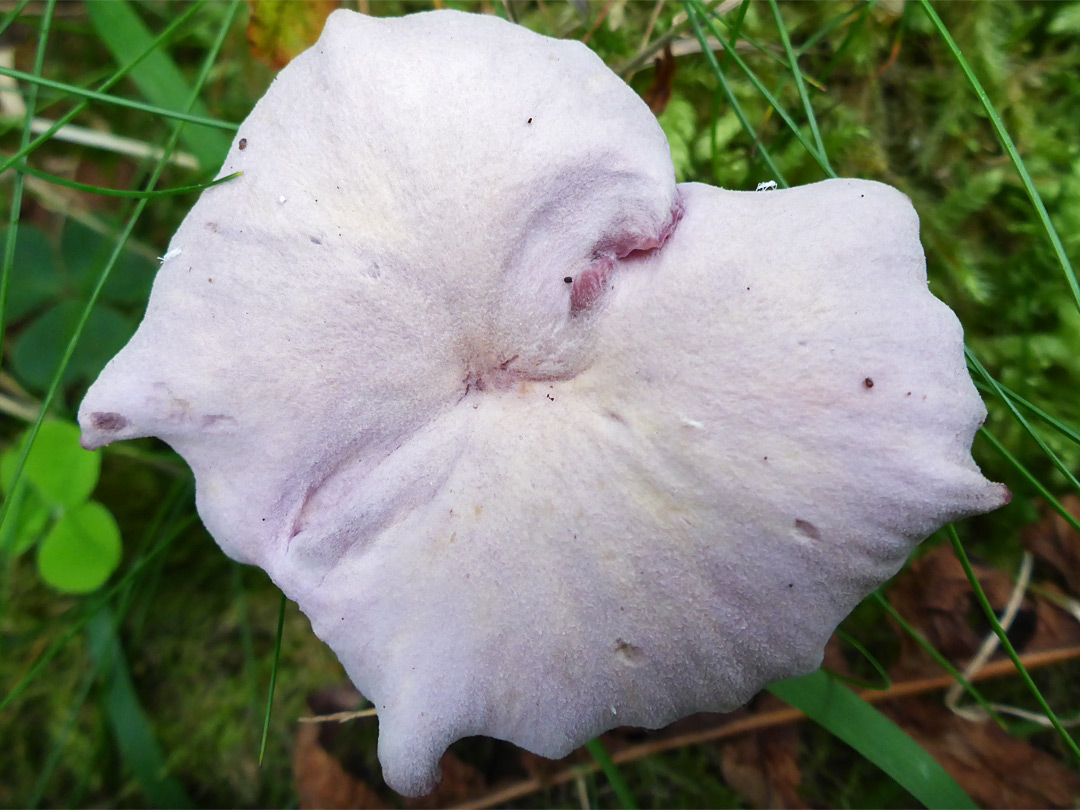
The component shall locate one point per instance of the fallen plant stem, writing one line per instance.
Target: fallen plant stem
(990, 644)
(988, 611)
(338, 717)
(678, 24)
(599, 21)
(164, 36)
(765, 720)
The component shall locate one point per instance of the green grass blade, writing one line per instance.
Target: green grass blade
(247, 638)
(645, 56)
(800, 85)
(103, 277)
(861, 14)
(885, 681)
(105, 98)
(157, 76)
(862, 10)
(973, 361)
(1031, 479)
(12, 232)
(13, 15)
(6, 267)
(60, 740)
(742, 35)
(1010, 148)
(850, 37)
(116, 192)
(847, 716)
(134, 737)
(1003, 637)
(171, 510)
(58, 375)
(941, 660)
(94, 605)
(1067, 431)
(761, 88)
(735, 28)
(273, 678)
(615, 778)
(736, 107)
(150, 48)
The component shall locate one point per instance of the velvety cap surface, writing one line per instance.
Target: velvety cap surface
(540, 442)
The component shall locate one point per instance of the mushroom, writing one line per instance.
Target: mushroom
(541, 442)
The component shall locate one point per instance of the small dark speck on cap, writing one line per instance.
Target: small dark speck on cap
(242, 144)
(868, 383)
(569, 279)
(529, 121)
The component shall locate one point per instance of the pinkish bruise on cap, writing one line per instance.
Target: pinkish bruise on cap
(516, 505)
(598, 276)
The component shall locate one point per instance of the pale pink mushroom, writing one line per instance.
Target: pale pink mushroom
(541, 442)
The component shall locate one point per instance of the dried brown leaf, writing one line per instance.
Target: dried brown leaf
(459, 781)
(996, 769)
(935, 597)
(763, 767)
(659, 93)
(1056, 545)
(322, 781)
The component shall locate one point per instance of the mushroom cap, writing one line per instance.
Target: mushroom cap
(519, 506)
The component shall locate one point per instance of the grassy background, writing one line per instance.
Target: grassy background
(152, 691)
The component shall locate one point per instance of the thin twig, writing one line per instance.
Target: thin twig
(678, 24)
(599, 21)
(990, 645)
(339, 717)
(582, 791)
(653, 17)
(9, 406)
(117, 144)
(760, 721)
